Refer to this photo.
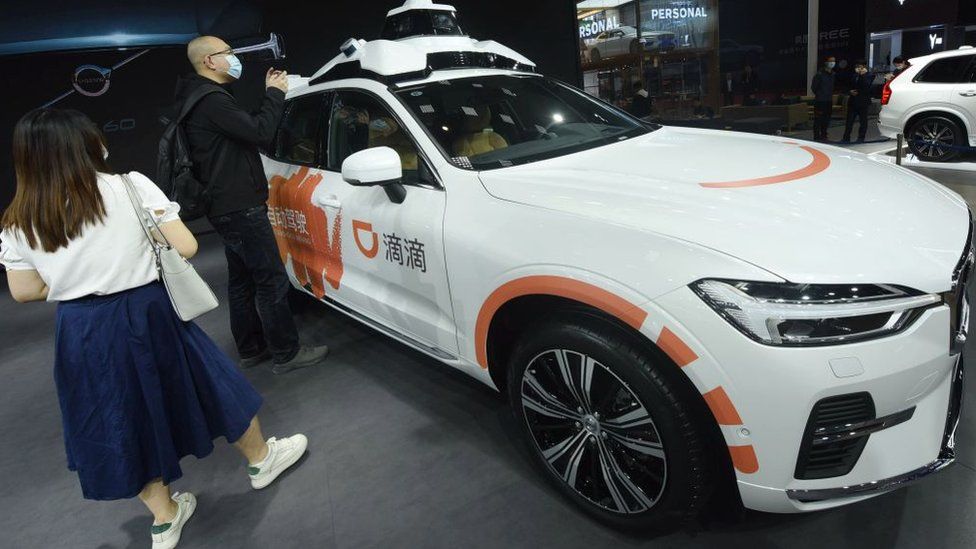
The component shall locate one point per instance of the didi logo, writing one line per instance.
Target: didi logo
(362, 226)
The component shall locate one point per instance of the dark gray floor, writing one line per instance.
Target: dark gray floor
(403, 453)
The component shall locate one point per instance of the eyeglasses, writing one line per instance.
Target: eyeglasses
(222, 52)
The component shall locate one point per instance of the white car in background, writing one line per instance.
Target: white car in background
(669, 310)
(933, 104)
(624, 41)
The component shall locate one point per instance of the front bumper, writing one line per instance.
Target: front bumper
(946, 458)
(774, 390)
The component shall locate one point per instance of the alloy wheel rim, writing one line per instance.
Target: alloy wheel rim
(934, 139)
(593, 431)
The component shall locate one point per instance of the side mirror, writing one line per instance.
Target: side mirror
(377, 166)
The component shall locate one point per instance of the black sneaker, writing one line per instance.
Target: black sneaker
(253, 361)
(307, 356)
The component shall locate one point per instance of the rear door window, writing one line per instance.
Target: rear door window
(972, 70)
(948, 70)
(299, 133)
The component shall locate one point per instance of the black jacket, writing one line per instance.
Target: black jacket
(863, 84)
(823, 86)
(224, 141)
(640, 106)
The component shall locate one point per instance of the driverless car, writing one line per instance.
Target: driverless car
(670, 311)
(933, 104)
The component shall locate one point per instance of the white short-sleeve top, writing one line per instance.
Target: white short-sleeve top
(105, 258)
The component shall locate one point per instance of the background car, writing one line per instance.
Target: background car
(933, 103)
(625, 41)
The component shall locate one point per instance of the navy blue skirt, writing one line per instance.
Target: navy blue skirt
(140, 389)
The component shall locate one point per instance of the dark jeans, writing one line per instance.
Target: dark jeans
(258, 286)
(821, 119)
(859, 112)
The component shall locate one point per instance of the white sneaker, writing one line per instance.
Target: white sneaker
(282, 454)
(166, 536)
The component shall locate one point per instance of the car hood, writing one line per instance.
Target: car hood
(806, 212)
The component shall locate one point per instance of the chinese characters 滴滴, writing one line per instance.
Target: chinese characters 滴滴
(405, 252)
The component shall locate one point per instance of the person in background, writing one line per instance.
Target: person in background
(138, 388)
(843, 75)
(224, 140)
(728, 89)
(858, 101)
(640, 101)
(750, 86)
(823, 97)
(899, 66)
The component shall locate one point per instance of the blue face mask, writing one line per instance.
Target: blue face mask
(236, 69)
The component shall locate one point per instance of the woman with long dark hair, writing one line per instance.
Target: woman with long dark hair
(139, 389)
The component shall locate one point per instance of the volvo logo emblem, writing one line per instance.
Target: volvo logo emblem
(91, 80)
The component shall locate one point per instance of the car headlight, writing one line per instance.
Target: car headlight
(809, 314)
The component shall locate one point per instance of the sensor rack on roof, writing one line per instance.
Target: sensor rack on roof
(444, 60)
(390, 61)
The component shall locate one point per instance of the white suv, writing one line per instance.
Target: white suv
(669, 310)
(933, 103)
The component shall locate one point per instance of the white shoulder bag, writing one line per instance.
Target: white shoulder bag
(188, 292)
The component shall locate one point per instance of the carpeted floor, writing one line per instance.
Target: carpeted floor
(404, 453)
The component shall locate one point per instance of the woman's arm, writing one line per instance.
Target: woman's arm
(26, 286)
(179, 237)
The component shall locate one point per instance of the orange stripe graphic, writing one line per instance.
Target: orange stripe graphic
(722, 408)
(674, 347)
(819, 163)
(744, 459)
(557, 286)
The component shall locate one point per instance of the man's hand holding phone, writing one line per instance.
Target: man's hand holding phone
(276, 79)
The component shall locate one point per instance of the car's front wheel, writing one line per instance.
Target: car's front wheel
(935, 139)
(610, 423)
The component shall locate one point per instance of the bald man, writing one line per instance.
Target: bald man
(224, 140)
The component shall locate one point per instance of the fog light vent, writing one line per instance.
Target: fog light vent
(819, 459)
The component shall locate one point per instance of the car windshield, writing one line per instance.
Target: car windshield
(498, 121)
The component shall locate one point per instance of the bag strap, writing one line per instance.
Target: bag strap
(195, 98)
(145, 219)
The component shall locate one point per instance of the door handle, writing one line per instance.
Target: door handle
(970, 93)
(328, 201)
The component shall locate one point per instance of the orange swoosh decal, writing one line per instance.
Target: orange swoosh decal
(576, 290)
(819, 163)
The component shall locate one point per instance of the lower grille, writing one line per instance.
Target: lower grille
(819, 459)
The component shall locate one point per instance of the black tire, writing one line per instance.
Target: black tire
(627, 379)
(935, 138)
(595, 55)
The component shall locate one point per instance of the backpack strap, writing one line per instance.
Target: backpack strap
(195, 98)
